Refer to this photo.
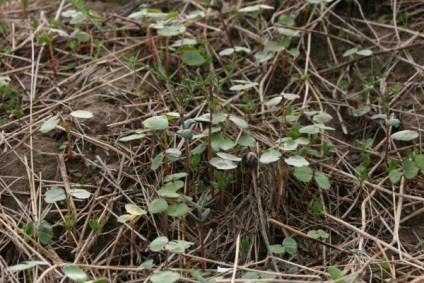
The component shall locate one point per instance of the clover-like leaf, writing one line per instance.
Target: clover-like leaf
(405, 135)
(156, 123)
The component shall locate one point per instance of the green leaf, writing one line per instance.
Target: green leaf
(169, 189)
(361, 110)
(49, 124)
(274, 102)
(75, 273)
(276, 46)
(178, 246)
(174, 177)
(228, 156)
(157, 161)
(285, 20)
(406, 135)
(177, 210)
(419, 160)
(263, 56)
(293, 52)
(364, 52)
(410, 169)
(165, 277)
(313, 234)
(395, 175)
(222, 164)
(79, 193)
(173, 154)
(243, 86)
(158, 244)
(323, 234)
(322, 118)
(147, 265)
(193, 58)
(83, 114)
(158, 205)
(134, 210)
(255, 8)
(290, 245)
(156, 123)
(132, 137)
(54, 194)
(277, 249)
(81, 36)
(184, 42)
(335, 273)
(379, 116)
(288, 32)
(45, 232)
(310, 130)
(322, 180)
(240, 122)
(247, 140)
(125, 218)
(317, 208)
(303, 174)
(25, 265)
(185, 133)
(199, 149)
(172, 30)
(350, 52)
(270, 156)
(296, 161)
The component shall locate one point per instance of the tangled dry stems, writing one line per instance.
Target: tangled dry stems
(372, 217)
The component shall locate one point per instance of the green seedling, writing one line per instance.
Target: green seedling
(76, 274)
(288, 246)
(53, 121)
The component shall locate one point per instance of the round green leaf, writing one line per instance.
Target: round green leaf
(290, 245)
(275, 46)
(158, 205)
(240, 122)
(247, 140)
(156, 123)
(322, 180)
(185, 133)
(172, 30)
(395, 175)
(81, 114)
(157, 244)
(178, 246)
(361, 110)
(410, 168)
(296, 161)
(335, 273)
(270, 156)
(184, 42)
(193, 58)
(49, 124)
(419, 159)
(54, 194)
(286, 20)
(125, 218)
(313, 234)
(243, 86)
(277, 249)
(263, 56)
(222, 164)
(177, 210)
(406, 135)
(75, 273)
(165, 277)
(45, 232)
(322, 118)
(303, 174)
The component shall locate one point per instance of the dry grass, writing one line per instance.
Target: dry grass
(371, 224)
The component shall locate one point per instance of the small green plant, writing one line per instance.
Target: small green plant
(288, 246)
(53, 121)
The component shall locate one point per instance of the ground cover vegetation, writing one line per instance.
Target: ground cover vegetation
(211, 141)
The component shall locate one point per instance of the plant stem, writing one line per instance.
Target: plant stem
(221, 17)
